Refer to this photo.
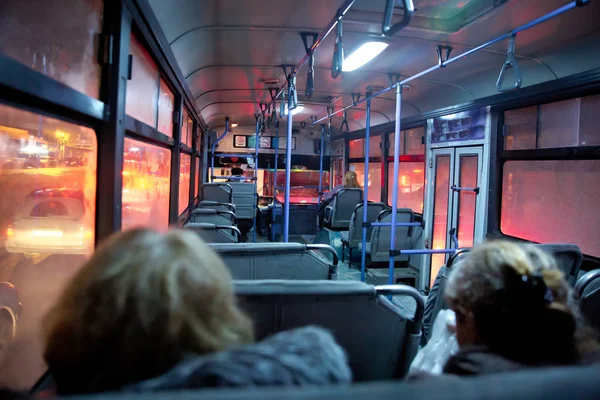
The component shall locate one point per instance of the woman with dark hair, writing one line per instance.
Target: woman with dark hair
(514, 310)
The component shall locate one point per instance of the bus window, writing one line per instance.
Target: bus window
(141, 100)
(374, 178)
(146, 180)
(56, 38)
(411, 181)
(47, 222)
(184, 181)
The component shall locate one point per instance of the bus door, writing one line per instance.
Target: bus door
(456, 202)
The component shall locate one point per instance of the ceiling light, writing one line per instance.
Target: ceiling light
(363, 55)
(296, 110)
(233, 125)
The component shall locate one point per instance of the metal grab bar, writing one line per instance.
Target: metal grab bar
(386, 26)
(237, 178)
(465, 189)
(397, 224)
(403, 290)
(454, 256)
(395, 253)
(511, 62)
(544, 18)
(584, 281)
(228, 155)
(326, 248)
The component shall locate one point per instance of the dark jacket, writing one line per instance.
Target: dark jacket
(305, 356)
(478, 360)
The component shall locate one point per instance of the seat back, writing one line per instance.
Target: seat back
(212, 216)
(568, 258)
(219, 192)
(244, 199)
(587, 292)
(381, 236)
(294, 261)
(212, 233)
(343, 205)
(214, 205)
(380, 342)
(356, 221)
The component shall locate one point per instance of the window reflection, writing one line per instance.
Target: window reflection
(373, 179)
(356, 148)
(43, 35)
(187, 124)
(411, 185)
(146, 173)
(184, 181)
(141, 100)
(47, 220)
(197, 179)
(552, 202)
(166, 103)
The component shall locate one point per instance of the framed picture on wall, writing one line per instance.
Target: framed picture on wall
(283, 143)
(239, 141)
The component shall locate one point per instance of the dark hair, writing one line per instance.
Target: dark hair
(235, 171)
(522, 322)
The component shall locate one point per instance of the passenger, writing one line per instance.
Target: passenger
(350, 181)
(236, 171)
(154, 311)
(513, 311)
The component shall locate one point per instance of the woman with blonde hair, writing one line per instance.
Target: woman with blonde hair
(514, 310)
(149, 304)
(350, 182)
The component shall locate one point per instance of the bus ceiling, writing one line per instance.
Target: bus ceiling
(248, 54)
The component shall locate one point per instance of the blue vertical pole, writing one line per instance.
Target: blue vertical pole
(255, 179)
(276, 157)
(363, 253)
(214, 148)
(288, 163)
(395, 188)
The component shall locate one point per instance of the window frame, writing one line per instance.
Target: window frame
(502, 156)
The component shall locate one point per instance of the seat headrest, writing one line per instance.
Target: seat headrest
(303, 288)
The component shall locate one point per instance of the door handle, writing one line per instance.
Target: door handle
(466, 189)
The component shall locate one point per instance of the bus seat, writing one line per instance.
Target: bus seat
(354, 236)
(587, 292)
(296, 261)
(568, 258)
(379, 341)
(379, 249)
(579, 382)
(215, 205)
(244, 198)
(339, 212)
(212, 233)
(212, 216)
(219, 192)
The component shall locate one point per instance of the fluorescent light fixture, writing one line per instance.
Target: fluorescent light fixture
(233, 125)
(296, 110)
(365, 53)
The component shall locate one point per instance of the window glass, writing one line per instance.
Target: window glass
(197, 178)
(146, 173)
(357, 148)
(589, 134)
(184, 181)
(559, 124)
(440, 214)
(142, 89)
(187, 124)
(411, 181)
(467, 200)
(552, 202)
(47, 222)
(521, 127)
(374, 146)
(373, 178)
(43, 35)
(413, 139)
(392, 136)
(166, 103)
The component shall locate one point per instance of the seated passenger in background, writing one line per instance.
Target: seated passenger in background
(513, 311)
(154, 311)
(350, 181)
(236, 171)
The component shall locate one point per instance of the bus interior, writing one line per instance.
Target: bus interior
(463, 121)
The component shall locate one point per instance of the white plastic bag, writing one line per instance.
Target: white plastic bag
(441, 346)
